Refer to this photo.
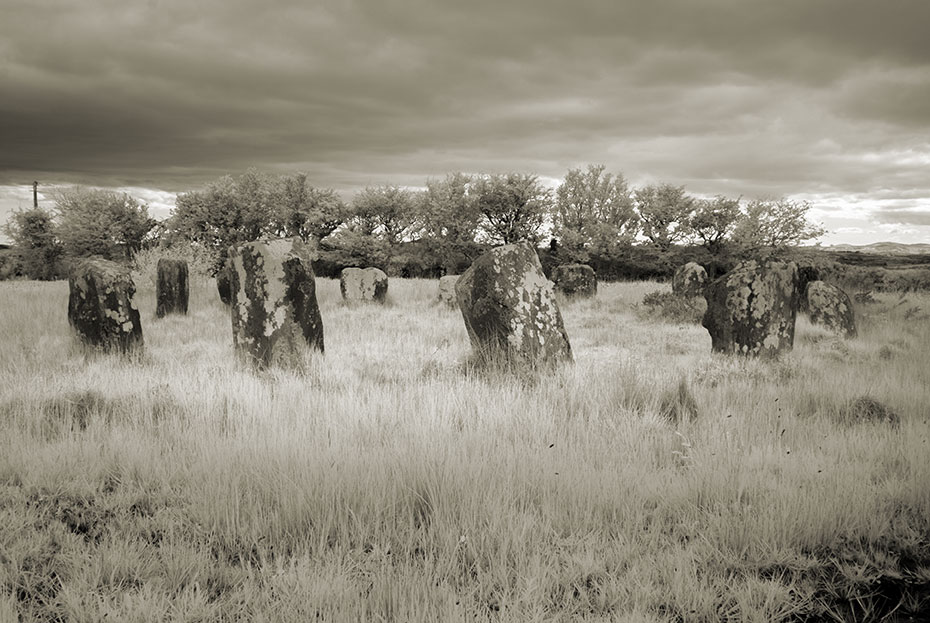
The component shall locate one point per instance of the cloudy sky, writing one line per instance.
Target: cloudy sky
(824, 100)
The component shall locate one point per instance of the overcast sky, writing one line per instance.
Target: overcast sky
(825, 100)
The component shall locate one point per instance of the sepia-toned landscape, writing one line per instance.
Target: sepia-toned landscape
(389, 480)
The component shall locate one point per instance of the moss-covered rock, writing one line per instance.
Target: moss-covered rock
(689, 280)
(830, 306)
(101, 310)
(275, 316)
(575, 280)
(752, 309)
(363, 284)
(510, 309)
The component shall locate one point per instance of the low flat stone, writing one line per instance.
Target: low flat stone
(830, 307)
(689, 280)
(363, 284)
(575, 280)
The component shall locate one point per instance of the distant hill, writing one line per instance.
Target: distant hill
(883, 248)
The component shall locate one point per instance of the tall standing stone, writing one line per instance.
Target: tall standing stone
(510, 309)
(689, 280)
(575, 280)
(275, 316)
(752, 309)
(363, 284)
(447, 290)
(100, 306)
(829, 306)
(171, 288)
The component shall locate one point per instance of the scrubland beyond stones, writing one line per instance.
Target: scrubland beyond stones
(101, 310)
(689, 280)
(510, 310)
(171, 287)
(363, 284)
(447, 290)
(830, 307)
(275, 316)
(752, 309)
(575, 280)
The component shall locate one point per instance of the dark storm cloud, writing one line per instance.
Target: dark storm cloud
(734, 96)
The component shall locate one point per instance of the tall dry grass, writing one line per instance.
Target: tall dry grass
(650, 481)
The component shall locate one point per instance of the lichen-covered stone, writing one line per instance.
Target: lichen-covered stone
(829, 306)
(275, 316)
(100, 306)
(363, 284)
(224, 283)
(575, 280)
(752, 309)
(447, 290)
(509, 307)
(689, 280)
(171, 288)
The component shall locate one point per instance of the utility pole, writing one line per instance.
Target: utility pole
(35, 194)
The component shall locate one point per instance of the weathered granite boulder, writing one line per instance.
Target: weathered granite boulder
(100, 306)
(510, 309)
(575, 280)
(363, 284)
(171, 288)
(224, 283)
(275, 316)
(829, 306)
(752, 309)
(689, 280)
(447, 290)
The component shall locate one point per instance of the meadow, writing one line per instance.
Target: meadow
(389, 481)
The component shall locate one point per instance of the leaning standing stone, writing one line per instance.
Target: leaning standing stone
(575, 280)
(829, 306)
(447, 290)
(171, 288)
(509, 307)
(275, 316)
(752, 309)
(363, 284)
(689, 280)
(100, 306)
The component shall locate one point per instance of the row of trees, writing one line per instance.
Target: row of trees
(592, 215)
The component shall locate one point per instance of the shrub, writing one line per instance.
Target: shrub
(674, 308)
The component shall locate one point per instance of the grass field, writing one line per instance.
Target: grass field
(650, 481)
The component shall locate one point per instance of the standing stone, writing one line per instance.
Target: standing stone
(510, 309)
(689, 280)
(224, 283)
(575, 280)
(829, 306)
(100, 306)
(275, 316)
(363, 284)
(171, 289)
(752, 309)
(807, 273)
(447, 290)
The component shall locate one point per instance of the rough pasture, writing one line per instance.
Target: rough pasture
(389, 482)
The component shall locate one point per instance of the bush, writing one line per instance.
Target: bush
(674, 308)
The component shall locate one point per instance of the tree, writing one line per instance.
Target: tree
(228, 211)
(663, 212)
(714, 220)
(36, 247)
(304, 211)
(775, 223)
(448, 220)
(384, 212)
(100, 222)
(593, 212)
(512, 207)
